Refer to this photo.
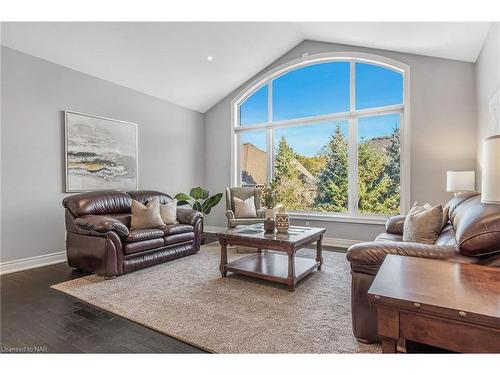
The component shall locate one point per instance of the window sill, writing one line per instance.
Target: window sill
(315, 216)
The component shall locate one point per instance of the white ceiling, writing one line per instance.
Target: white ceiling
(169, 60)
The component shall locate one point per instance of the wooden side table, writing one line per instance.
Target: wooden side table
(449, 305)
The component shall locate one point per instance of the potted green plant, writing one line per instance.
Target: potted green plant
(269, 201)
(200, 200)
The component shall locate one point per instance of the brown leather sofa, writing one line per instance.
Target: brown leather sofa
(99, 238)
(472, 235)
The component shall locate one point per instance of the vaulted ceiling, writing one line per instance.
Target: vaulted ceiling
(170, 60)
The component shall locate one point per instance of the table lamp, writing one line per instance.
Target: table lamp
(460, 181)
(490, 182)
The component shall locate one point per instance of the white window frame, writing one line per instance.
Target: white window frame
(352, 215)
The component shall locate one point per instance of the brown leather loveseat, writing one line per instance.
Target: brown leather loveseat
(472, 235)
(99, 238)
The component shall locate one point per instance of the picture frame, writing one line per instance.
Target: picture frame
(101, 153)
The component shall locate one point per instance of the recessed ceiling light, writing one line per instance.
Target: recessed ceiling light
(210, 58)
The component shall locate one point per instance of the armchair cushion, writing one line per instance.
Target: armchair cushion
(188, 216)
(101, 224)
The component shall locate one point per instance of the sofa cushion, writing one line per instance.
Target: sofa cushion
(135, 247)
(143, 234)
(178, 238)
(144, 196)
(98, 203)
(169, 230)
(456, 202)
(395, 224)
(477, 227)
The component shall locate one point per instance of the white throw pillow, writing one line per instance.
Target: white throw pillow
(168, 212)
(244, 208)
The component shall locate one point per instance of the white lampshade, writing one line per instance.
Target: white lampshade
(460, 181)
(491, 170)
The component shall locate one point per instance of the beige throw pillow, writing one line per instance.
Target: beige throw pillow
(423, 224)
(244, 208)
(145, 217)
(168, 212)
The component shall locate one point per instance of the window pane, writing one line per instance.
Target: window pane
(379, 164)
(310, 166)
(253, 158)
(377, 86)
(254, 109)
(311, 91)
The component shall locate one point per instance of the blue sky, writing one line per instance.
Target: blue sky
(320, 89)
(308, 140)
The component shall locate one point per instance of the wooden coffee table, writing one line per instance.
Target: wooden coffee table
(449, 305)
(280, 265)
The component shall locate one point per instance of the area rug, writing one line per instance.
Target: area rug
(188, 299)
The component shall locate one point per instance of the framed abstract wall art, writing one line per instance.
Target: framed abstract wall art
(101, 153)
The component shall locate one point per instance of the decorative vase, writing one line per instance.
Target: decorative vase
(269, 225)
(282, 220)
(269, 213)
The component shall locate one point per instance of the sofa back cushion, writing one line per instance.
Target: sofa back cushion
(451, 206)
(477, 227)
(98, 203)
(144, 196)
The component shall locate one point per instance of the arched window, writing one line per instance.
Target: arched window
(328, 134)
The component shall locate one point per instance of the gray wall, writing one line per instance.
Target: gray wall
(487, 84)
(443, 130)
(33, 94)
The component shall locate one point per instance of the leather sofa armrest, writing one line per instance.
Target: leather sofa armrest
(188, 216)
(395, 224)
(101, 224)
(230, 214)
(370, 255)
(261, 213)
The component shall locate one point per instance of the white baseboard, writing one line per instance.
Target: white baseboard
(33, 262)
(327, 241)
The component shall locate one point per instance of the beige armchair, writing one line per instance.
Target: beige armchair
(243, 193)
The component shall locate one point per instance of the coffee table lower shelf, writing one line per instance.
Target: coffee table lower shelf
(274, 267)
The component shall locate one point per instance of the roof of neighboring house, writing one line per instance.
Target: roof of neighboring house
(254, 163)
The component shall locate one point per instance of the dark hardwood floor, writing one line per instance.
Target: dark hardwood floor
(36, 318)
